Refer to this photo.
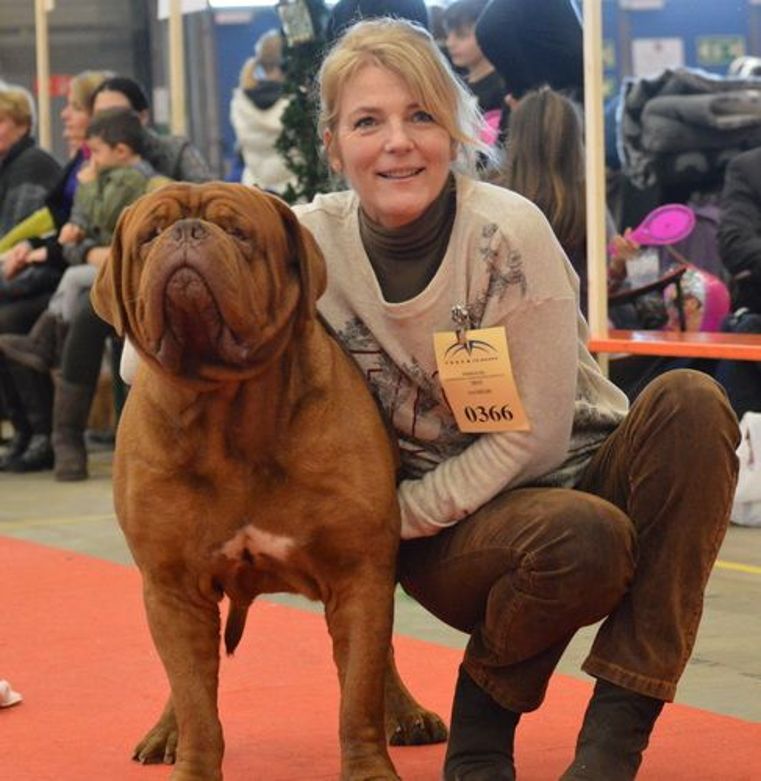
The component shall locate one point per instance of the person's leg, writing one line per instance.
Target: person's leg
(521, 575)
(671, 466)
(80, 368)
(16, 317)
(36, 390)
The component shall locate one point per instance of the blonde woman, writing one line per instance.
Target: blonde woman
(26, 171)
(517, 536)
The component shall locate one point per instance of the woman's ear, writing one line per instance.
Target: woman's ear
(334, 158)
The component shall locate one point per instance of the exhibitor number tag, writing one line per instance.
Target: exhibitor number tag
(475, 372)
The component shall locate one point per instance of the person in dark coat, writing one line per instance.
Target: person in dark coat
(346, 12)
(740, 250)
(26, 171)
(534, 42)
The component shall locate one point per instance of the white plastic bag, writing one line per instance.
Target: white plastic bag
(746, 509)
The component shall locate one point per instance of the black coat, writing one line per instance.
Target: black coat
(26, 174)
(740, 228)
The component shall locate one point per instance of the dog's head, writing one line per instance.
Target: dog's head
(207, 279)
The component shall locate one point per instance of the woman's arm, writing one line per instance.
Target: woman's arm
(543, 350)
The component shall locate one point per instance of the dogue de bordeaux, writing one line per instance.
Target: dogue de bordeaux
(250, 458)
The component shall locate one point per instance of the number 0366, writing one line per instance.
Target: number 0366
(481, 414)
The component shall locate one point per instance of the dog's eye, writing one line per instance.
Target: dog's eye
(236, 232)
(151, 234)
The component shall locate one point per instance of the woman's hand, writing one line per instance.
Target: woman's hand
(70, 234)
(39, 255)
(15, 259)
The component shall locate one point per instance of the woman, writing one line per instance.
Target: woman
(26, 171)
(517, 537)
(28, 397)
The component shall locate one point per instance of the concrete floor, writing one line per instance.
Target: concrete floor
(723, 676)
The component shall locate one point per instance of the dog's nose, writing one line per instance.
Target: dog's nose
(189, 230)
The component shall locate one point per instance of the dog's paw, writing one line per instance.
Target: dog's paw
(158, 746)
(417, 727)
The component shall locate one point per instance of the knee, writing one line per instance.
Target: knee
(687, 395)
(598, 558)
(697, 409)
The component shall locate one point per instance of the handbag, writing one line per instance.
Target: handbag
(746, 508)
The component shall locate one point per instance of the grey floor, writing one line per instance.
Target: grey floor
(723, 676)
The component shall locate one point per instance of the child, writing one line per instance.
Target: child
(483, 80)
(115, 176)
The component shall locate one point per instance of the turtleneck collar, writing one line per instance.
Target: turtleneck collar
(418, 238)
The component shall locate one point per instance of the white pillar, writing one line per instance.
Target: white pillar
(176, 69)
(43, 74)
(595, 167)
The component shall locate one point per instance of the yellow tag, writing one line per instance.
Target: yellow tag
(475, 372)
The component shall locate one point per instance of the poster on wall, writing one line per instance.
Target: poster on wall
(651, 56)
(641, 5)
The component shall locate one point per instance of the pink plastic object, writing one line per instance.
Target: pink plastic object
(665, 225)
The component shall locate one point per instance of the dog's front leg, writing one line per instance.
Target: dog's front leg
(185, 627)
(359, 613)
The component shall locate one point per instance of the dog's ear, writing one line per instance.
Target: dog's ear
(107, 293)
(311, 262)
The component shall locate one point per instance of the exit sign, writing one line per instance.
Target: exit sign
(719, 49)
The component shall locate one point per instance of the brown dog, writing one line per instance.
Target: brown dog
(250, 458)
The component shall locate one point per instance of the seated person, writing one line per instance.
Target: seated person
(26, 171)
(115, 176)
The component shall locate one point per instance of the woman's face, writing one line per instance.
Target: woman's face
(10, 133)
(75, 119)
(390, 150)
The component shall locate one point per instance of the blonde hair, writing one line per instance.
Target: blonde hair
(268, 55)
(409, 52)
(17, 103)
(82, 87)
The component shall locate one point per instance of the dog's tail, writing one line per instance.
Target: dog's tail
(235, 624)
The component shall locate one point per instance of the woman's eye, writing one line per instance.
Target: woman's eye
(422, 116)
(364, 123)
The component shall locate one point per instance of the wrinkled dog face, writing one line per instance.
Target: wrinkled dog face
(206, 278)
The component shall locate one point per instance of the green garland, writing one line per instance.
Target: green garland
(299, 144)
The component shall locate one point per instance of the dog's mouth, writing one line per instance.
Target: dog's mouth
(194, 331)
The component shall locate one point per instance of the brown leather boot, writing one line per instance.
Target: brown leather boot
(615, 732)
(39, 349)
(71, 409)
(481, 736)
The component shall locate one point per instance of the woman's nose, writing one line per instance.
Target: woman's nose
(398, 138)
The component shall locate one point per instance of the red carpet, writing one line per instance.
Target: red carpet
(74, 643)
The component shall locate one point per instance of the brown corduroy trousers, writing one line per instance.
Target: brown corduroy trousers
(634, 544)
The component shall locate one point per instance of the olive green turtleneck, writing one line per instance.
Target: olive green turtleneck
(406, 259)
